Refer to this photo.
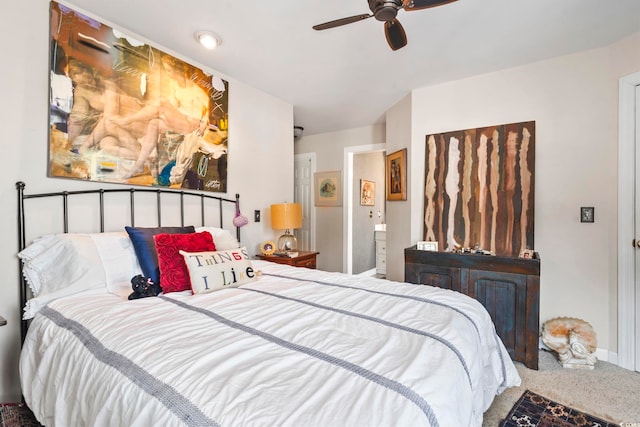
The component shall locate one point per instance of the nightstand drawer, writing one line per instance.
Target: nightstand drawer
(305, 259)
(308, 263)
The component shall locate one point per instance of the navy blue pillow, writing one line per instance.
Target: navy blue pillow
(145, 247)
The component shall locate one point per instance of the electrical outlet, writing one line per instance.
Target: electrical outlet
(256, 216)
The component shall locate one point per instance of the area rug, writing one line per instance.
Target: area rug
(533, 410)
(17, 415)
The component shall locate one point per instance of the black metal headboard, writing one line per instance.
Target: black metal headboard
(101, 192)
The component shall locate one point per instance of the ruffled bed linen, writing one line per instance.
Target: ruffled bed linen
(296, 347)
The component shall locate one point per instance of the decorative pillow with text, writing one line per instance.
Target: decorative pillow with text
(214, 270)
(174, 276)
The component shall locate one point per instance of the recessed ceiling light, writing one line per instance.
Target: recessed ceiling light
(208, 39)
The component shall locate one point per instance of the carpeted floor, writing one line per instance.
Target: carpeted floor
(16, 415)
(533, 410)
(608, 392)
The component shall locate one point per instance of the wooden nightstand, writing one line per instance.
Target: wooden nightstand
(304, 259)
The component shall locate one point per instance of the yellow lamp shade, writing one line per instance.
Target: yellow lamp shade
(286, 216)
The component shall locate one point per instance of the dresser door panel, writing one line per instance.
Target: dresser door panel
(504, 297)
(434, 275)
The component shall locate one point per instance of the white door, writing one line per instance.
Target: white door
(637, 229)
(629, 222)
(304, 167)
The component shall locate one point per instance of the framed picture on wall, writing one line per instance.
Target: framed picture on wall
(367, 193)
(95, 69)
(328, 188)
(479, 187)
(396, 175)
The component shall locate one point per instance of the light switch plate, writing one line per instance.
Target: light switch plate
(256, 216)
(587, 214)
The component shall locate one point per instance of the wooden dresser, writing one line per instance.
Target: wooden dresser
(508, 287)
(304, 259)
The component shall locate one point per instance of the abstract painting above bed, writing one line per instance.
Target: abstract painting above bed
(123, 111)
(295, 347)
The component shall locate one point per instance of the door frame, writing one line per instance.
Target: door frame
(347, 197)
(311, 158)
(626, 216)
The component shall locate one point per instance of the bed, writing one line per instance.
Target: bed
(267, 345)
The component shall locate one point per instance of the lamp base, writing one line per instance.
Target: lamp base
(287, 242)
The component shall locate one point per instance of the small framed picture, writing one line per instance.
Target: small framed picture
(526, 253)
(427, 246)
(396, 175)
(587, 214)
(267, 248)
(367, 193)
(328, 188)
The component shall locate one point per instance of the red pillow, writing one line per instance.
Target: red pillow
(174, 275)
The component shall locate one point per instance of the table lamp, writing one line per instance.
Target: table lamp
(286, 216)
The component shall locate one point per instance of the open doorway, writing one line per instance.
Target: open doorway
(359, 219)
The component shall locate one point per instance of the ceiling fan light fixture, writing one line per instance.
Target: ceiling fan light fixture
(208, 39)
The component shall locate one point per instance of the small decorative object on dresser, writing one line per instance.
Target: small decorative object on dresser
(267, 248)
(427, 246)
(573, 339)
(527, 253)
(302, 259)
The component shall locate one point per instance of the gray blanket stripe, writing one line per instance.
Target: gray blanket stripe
(391, 294)
(441, 340)
(411, 297)
(184, 409)
(388, 383)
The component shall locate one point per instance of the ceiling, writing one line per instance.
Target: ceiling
(347, 77)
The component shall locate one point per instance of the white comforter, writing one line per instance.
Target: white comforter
(297, 348)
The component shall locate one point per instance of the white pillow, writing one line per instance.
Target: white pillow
(59, 265)
(223, 239)
(118, 259)
(215, 270)
(45, 260)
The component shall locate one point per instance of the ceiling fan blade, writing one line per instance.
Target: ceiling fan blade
(411, 5)
(396, 37)
(342, 21)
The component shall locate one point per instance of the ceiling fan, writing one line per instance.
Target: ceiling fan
(386, 11)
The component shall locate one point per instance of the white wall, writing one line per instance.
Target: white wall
(329, 148)
(573, 100)
(400, 219)
(260, 146)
